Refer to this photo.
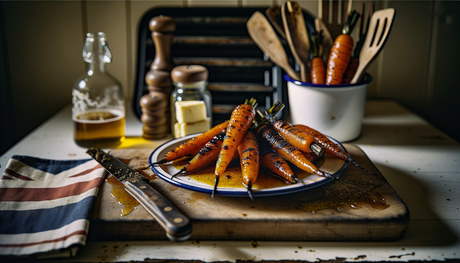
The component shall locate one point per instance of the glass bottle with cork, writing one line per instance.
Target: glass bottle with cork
(191, 101)
(98, 106)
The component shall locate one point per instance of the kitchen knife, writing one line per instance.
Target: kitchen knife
(177, 226)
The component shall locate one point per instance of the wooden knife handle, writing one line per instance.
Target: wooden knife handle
(177, 226)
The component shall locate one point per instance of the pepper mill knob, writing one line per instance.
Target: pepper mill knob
(189, 74)
(162, 24)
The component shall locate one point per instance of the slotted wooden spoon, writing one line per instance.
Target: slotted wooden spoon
(377, 35)
(297, 36)
(264, 36)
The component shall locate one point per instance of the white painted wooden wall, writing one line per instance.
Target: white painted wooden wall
(41, 45)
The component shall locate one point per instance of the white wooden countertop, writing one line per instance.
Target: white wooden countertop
(419, 161)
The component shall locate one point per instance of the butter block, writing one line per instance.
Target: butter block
(190, 111)
(177, 133)
(183, 129)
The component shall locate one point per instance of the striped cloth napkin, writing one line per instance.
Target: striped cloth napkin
(45, 205)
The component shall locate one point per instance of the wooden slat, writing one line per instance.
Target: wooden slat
(223, 62)
(223, 109)
(211, 40)
(238, 87)
(210, 20)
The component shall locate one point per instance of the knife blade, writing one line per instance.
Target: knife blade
(177, 226)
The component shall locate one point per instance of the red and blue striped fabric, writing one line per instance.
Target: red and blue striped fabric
(45, 205)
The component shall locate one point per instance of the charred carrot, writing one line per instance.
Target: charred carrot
(329, 146)
(296, 137)
(240, 121)
(354, 61)
(193, 146)
(313, 158)
(341, 52)
(267, 133)
(318, 71)
(207, 155)
(275, 164)
(351, 70)
(249, 160)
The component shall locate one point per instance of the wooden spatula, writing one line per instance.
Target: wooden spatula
(377, 35)
(266, 39)
(297, 36)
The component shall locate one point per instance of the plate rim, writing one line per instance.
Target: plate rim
(241, 192)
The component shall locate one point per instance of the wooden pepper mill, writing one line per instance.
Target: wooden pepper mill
(155, 105)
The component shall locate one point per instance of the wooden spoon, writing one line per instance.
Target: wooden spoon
(265, 37)
(377, 35)
(297, 36)
(273, 13)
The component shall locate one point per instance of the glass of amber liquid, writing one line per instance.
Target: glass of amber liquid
(98, 108)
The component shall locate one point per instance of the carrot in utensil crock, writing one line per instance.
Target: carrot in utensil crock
(341, 52)
(351, 70)
(354, 61)
(318, 71)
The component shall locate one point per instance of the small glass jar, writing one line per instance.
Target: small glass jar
(191, 101)
(98, 107)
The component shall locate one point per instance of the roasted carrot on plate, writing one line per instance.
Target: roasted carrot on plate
(241, 119)
(267, 133)
(207, 155)
(329, 146)
(341, 52)
(249, 160)
(193, 146)
(297, 138)
(275, 164)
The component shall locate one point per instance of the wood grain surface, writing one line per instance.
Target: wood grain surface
(357, 207)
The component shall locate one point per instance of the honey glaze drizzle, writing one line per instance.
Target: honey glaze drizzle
(124, 198)
(232, 176)
(121, 195)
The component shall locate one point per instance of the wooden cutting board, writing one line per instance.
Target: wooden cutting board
(357, 207)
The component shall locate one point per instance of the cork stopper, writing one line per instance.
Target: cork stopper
(162, 24)
(189, 74)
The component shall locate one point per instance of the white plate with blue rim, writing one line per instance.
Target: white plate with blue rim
(329, 164)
